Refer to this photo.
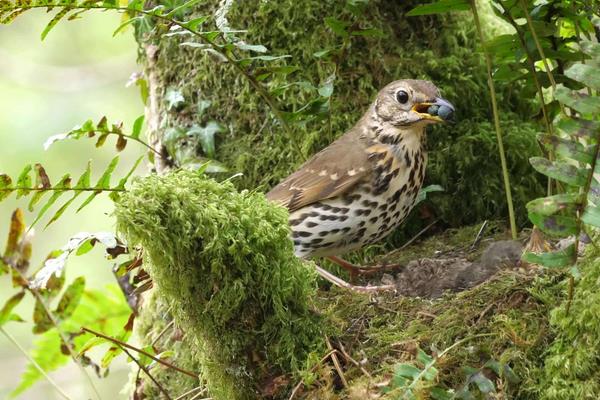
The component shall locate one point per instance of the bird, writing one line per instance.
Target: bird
(361, 187)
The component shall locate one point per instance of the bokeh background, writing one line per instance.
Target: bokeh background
(78, 72)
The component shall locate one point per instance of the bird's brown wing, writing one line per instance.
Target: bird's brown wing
(329, 173)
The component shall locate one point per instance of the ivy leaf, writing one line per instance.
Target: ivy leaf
(439, 7)
(174, 99)
(559, 170)
(70, 299)
(483, 383)
(6, 311)
(553, 259)
(578, 127)
(406, 370)
(257, 48)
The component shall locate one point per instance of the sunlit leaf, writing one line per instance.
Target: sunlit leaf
(59, 190)
(11, 303)
(104, 181)
(24, 182)
(439, 7)
(137, 127)
(193, 23)
(554, 259)
(5, 182)
(54, 21)
(579, 127)
(70, 299)
(587, 74)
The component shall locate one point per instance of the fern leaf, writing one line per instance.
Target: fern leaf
(60, 15)
(60, 188)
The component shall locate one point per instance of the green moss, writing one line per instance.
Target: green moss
(572, 364)
(511, 308)
(153, 327)
(223, 262)
(463, 157)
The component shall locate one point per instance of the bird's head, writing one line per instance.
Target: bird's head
(411, 102)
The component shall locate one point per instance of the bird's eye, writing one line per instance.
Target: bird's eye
(401, 96)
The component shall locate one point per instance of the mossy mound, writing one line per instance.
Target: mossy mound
(223, 262)
(463, 157)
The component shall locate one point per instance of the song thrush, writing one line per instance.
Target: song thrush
(362, 186)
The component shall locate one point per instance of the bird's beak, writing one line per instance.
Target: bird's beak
(438, 110)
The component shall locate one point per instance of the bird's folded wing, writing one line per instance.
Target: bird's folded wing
(330, 173)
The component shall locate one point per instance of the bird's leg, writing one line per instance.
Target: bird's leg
(359, 270)
(343, 284)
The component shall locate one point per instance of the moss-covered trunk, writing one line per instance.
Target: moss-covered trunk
(191, 90)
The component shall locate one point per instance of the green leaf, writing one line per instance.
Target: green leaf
(125, 24)
(41, 320)
(257, 48)
(174, 99)
(104, 181)
(483, 383)
(439, 7)
(60, 188)
(5, 182)
(188, 4)
(556, 225)
(137, 127)
(578, 127)
(406, 370)
(559, 170)
(206, 136)
(581, 102)
(24, 182)
(84, 180)
(587, 74)
(369, 32)
(554, 259)
(6, 311)
(46, 353)
(193, 23)
(54, 21)
(338, 27)
(553, 204)
(121, 185)
(70, 299)
(591, 216)
(567, 148)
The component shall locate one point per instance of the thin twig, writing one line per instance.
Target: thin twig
(135, 360)
(165, 329)
(479, 235)
(35, 364)
(202, 390)
(488, 62)
(421, 232)
(352, 360)
(121, 343)
(336, 363)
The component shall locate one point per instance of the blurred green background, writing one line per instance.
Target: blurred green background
(78, 72)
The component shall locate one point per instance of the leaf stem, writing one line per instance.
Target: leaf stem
(146, 371)
(35, 364)
(121, 343)
(488, 61)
